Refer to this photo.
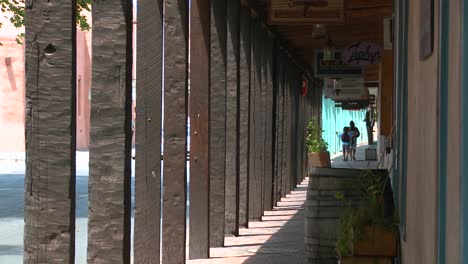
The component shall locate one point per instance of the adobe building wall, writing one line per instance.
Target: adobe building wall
(11, 90)
(422, 176)
(83, 88)
(12, 87)
(421, 211)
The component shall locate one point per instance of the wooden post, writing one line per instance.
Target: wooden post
(268, 145)
(244, 111)
(255, 198)
(148, 132)
(199, 244)
(49, 196)
(111, 134)
(252, 124)
(175, 130)
(232, 139)
(217, 122)
(284, 171)
(280, 125)
(261, 137)
(295, 127)
(302, 156)
(300, 134)
(276, 66)
(287, 131)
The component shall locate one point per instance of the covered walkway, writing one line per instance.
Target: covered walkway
(359, 163)
(277, 239)
(224, 94)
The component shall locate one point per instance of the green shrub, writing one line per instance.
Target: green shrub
(369, 213)
(315, 142)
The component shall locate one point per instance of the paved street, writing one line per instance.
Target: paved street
(12, 210)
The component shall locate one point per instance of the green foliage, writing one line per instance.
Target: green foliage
(370, 213)
(16, 8)
(314, 141)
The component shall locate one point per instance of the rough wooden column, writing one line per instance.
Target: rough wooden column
(288, 130)
(268, 145)
(199, 244)
(175, 130)
(302, 112)
(217, 122)
(293, 137)
(49, 196)
(280, 121)
(232, 132)
(284, 162)
(318, 106)
(299, 139)
(244, 111)
(256, 181)
(111, 134)
(263, 112)
(294, 126)
(275, 126)
(148, 133)
(252, 125)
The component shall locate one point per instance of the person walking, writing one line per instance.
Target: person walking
(370, 121)
(354, 134)
(345, 141)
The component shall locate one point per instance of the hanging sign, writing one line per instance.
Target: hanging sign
(306, 11)
(362, 54)
(334, 68)
(304, 87)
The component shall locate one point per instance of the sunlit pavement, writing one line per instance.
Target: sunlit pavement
(277, 239)
(359, 163)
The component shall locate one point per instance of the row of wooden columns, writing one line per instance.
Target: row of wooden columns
(247, 128)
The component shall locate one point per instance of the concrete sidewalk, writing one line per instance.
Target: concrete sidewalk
(359, 163)
(277, 239)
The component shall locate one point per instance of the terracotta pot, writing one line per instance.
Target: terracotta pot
(319, 159)
(376, 241)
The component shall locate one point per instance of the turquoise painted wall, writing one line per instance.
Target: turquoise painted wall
(335, 118)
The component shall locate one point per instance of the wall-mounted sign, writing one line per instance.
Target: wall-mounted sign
(306, 11)
(334, 68)
(345, 89)
(362, 53)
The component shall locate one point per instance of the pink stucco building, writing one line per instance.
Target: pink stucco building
(12, 83)
(12, 88)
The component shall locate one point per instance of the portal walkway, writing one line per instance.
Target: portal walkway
(278, 238)
(359, 163)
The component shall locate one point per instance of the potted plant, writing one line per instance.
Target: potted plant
(317, 147)
(367, 227)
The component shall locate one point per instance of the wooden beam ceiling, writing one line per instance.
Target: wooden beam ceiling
(363, 22)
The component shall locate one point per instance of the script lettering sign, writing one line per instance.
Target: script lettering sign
(362, 54)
